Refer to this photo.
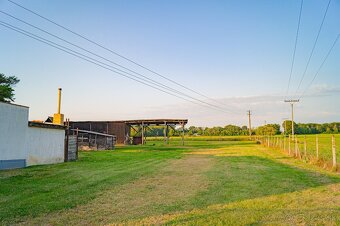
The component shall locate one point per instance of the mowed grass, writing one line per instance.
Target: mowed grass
(324, 144)
(204, 182)
(42, 189)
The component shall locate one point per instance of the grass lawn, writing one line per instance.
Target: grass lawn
(204, 182)
(324, 144)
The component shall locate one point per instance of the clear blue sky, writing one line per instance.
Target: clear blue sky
(237, 52)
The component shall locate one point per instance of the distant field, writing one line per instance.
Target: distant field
(177, 140)
(202, 183)
(325, 143)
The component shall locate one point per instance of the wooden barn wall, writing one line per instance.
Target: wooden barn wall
(119, 129)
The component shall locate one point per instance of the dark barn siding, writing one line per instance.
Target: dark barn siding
(119, 129)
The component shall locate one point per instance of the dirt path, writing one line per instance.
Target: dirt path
(168, 188)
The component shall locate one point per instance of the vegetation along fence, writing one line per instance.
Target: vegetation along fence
(318, 149)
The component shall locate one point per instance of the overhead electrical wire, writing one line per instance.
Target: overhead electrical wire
(314, 45)
(321, 65)
(113, 52)
(110, 61)
(101, 64)
(294, 52)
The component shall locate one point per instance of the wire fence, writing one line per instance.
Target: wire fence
(317, 149)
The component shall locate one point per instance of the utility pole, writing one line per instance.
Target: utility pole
(292, 102)
(249, 123)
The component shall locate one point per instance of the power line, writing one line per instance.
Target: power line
(315, 42)
(321, 65)
(294, 52)
(144, 78)
(98, 63)
(111, 51)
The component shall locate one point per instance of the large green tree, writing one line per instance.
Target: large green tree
(288, 130)
(6, 87)
(269, 129)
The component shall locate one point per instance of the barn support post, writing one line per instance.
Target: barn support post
(183, 133)
(95, 142)
(142, 133)
(165, 132)
(89, 140)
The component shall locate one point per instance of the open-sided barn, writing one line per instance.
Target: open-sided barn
(122, 129)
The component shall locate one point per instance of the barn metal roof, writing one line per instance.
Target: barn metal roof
(142, 121)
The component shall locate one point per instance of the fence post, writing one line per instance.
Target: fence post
(284, 142)
(333, 152)
(317, 147)
(289, 144)
(295, 147)
(305, 147)
(268, 141)
(298, 148)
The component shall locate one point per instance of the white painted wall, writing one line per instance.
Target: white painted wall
(44, 145)
(13, 129)
(34, 144)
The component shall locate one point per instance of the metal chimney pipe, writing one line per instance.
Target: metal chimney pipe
(59, 100)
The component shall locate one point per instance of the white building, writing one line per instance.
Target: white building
(24, 143)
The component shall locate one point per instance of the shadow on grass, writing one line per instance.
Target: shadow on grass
(238, 178)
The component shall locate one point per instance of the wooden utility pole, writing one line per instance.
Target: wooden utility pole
(292, 104)
(249, 123)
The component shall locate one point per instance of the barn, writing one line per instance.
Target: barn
(122, 129)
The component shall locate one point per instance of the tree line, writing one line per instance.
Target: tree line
(269, 129)
(233, 130)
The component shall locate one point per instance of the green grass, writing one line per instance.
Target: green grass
(325, 148)
(325, 145)
(42, 189)
(204, 182)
